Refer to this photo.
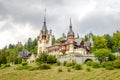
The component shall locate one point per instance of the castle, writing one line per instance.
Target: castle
(67, 44)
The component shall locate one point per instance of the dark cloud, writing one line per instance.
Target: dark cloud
(99, 23)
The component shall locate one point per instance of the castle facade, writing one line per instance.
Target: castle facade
(67, 44)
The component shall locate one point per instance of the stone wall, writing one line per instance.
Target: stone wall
(76, 57)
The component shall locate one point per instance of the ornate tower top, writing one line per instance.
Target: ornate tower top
(70, 33)
(44, 28)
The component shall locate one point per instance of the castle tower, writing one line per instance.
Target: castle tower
(70, 37)
(44, 38)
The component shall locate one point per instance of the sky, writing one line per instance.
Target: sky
(21, 19)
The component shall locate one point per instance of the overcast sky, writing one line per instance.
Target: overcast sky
(21, 19)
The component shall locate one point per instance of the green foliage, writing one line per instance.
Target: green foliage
(89, 63)
(24, 63)
(111, 57)
(64, 63)
(5, 66)
(116, 63)
(18, 60)
(109, 41)
(105, 64)
(100, 42)
(88, 69)
(58, 63)
(44, 66)
(77, 67)
(42, 58)
(45, 58)
(116, 41)
(109, 67)
(102, 54)
(68, 64)
(22, 67)
(58, 40)
(51, 59)
(95, 65)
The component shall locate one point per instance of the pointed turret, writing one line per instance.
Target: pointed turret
(44, 28)
(70, 33)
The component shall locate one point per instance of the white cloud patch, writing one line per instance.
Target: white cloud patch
(15, 32)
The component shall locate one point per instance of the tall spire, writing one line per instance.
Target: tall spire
(70, 23)
(70, 29)
(44, 28)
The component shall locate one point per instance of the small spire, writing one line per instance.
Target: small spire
(70, 23)
(45, 16)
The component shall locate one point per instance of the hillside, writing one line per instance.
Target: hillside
(53, 74)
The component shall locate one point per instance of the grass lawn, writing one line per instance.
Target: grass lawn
(53, 74)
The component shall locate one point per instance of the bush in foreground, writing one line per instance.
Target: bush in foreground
(5, 66)
(116, 63)
(58, 63)
(95, 65)
(22, 67)
(68, 64)
(24, 63)
(44, 66)
(88, 69)
(105, 64)
(77, 67)
(89, 63)
(109, 67)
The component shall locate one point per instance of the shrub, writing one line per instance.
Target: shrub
(5, 65)
(45, 58)
(51, 59)
(73, 63)
(78, 67)
(109, 67)
(60, 69)
(104, 64)
(95, 65)
(44, 66)
(116, 63)
(68, 70)
(23, 67)
(111, 57)
(68, 64)
(64, 63)
(24, 63)
(89, 63)
(58, 63)
(88, 69)
(18, 60)
(42, 58)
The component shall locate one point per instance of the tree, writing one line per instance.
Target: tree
(116, 41)
(42, 58)
(102, 54)
(109, 41)
(53, 39)
(100, 42)
(58, 40)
